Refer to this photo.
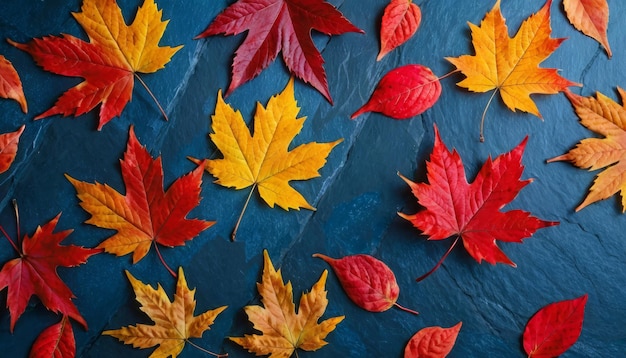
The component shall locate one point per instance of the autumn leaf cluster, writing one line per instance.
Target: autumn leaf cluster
(144, 215)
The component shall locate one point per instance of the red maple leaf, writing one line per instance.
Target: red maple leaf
(276, 25)
(147, 214)
(34, 272)
(471, 212)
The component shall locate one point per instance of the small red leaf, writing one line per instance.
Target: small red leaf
(404, 92)
(8, 148)
(400, 21)
(10, 84)
(554, 328)
(432, 342)
(56, 341)
(367, 281)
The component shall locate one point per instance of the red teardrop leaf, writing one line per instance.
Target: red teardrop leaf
(432, 342)
(404, 92)
(554, 328)
(56, 341)
(8, 148)
(400, 21)
(10, 84)
(368, 282)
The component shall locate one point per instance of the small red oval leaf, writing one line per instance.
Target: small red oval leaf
(368, 282)
(432, 342)
(403, 92)
(56, 341)
(554, 328)
(401, 20)
(8, 148)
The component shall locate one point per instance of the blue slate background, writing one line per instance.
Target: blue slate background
(357, 196)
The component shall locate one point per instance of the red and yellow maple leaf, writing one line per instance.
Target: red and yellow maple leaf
(108, 63)
(275, 25)
(174, 320)
(10, 84)
(606, 117)
(147, 214)
(591, 17)
(471, 212)
(283, 330)
(34, 272)
(511, 65)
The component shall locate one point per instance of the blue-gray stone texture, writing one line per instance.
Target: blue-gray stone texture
(357, 195)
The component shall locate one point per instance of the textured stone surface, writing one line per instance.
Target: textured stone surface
(357, 196)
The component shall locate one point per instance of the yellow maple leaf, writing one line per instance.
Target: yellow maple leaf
(174, 320)
(606, 117)
(284, 330)
(263, 160)
(511, 65)
(109, 62)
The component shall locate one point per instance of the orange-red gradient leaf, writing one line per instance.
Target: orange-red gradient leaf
(454, 207)
(403, 93)
(279, 25)
(554, 328)
(591, 17)
(401, 20)
(10, 84)
(8, 148)
(56, 341)
(108, 63)
(34, 272)
(146, 214)
(432, 342)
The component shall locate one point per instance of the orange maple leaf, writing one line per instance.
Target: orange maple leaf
(284, 330)
(147, 214)
(174, 320)
(108, 63)
(511, 65)
(606, 117)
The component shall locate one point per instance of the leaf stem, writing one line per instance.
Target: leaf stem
(10, 241)
(156, 247)
(448, 74)
(482, 119)
(17, 220)
(232, 236)
(440, 261)
(206, 351)
(404, 308)
(152, 95)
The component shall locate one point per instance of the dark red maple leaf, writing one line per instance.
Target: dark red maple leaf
(471, 212)
(276, 25)
(34, 272)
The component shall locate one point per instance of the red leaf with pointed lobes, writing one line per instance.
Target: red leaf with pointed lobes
(10, 84)
(56, 341)
(471, 212)
(279, 25)
(432, 342)
(401, 20)
(554, 328)
(8, 148)
(403, 93)
(368, 282)
(34, 272)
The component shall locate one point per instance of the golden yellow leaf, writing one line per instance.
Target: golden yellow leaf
(283, 330)
(263, 160)
(511, 65)
(607, 118)
(174, 320)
